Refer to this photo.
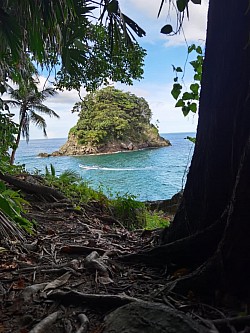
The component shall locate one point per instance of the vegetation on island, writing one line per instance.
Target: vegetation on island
(109, 115)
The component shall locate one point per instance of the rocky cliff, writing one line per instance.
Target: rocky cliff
(72, 146)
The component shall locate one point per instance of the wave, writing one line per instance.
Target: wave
(96, 167)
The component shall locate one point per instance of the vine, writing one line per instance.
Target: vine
(188, 100)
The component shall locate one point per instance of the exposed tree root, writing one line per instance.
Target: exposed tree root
(237, 322)
(203, 281)
(46, 323)
(84, 323)
(46, 192)
(100, 301)
(192, 250)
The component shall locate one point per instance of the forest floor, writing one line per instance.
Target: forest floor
(69, 273)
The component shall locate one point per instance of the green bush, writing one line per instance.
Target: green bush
(130, 212)
(156, 220)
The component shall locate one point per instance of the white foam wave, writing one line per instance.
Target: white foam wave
(95, 167)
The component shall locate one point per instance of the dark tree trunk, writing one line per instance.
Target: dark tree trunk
(18, 138)
(224, 120)
(217, 191)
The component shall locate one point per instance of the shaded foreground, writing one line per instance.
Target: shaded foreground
(69, 276)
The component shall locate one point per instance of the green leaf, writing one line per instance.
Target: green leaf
(181, 5)
(6, 207)
(197, 77)
(193, 107)
(179, 70)
(176, 79)
(191, 139)
(185, 110)
(187, 96)
(199, 50)
(191, 48)
(176, 90)
(2, 186)
(194, 87)
(195, 64)
(180, 103)
(197, 2)
(167, 29)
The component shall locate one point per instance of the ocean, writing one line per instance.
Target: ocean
(149, 174)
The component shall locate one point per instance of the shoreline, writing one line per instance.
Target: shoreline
(97, 154)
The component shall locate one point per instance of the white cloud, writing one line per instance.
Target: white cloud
(144, 12)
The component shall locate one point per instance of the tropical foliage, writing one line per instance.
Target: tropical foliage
(29, 101)
(188, 100)
(110, 114)
(12, 204)
(66, 36)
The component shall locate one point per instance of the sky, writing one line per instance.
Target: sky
(162, 52)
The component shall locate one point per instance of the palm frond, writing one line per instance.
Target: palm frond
(38, 121)
(44, 109)
(12, 102)
(48, 92)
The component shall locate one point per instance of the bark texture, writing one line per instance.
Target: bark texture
(218, 183)
(224, 120)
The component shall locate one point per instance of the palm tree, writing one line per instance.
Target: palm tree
(30, 101)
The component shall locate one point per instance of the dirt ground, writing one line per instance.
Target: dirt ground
(67, 277)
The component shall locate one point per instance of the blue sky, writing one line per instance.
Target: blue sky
(162, 52)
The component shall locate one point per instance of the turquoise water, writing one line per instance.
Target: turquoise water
(150, 174)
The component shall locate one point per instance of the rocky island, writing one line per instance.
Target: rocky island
(110, 121)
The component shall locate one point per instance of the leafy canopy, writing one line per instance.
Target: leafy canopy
(65, 35)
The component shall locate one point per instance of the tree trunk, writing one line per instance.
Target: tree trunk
(13, 152)
(218, 183)
(224, 120)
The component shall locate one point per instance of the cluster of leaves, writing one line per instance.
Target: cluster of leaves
(110, 114)
(97, 62)
(8, 129)
(65, 36)
(156, 219)
(188, 101)
(12, 205)
(72, 185)
(132, 214)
